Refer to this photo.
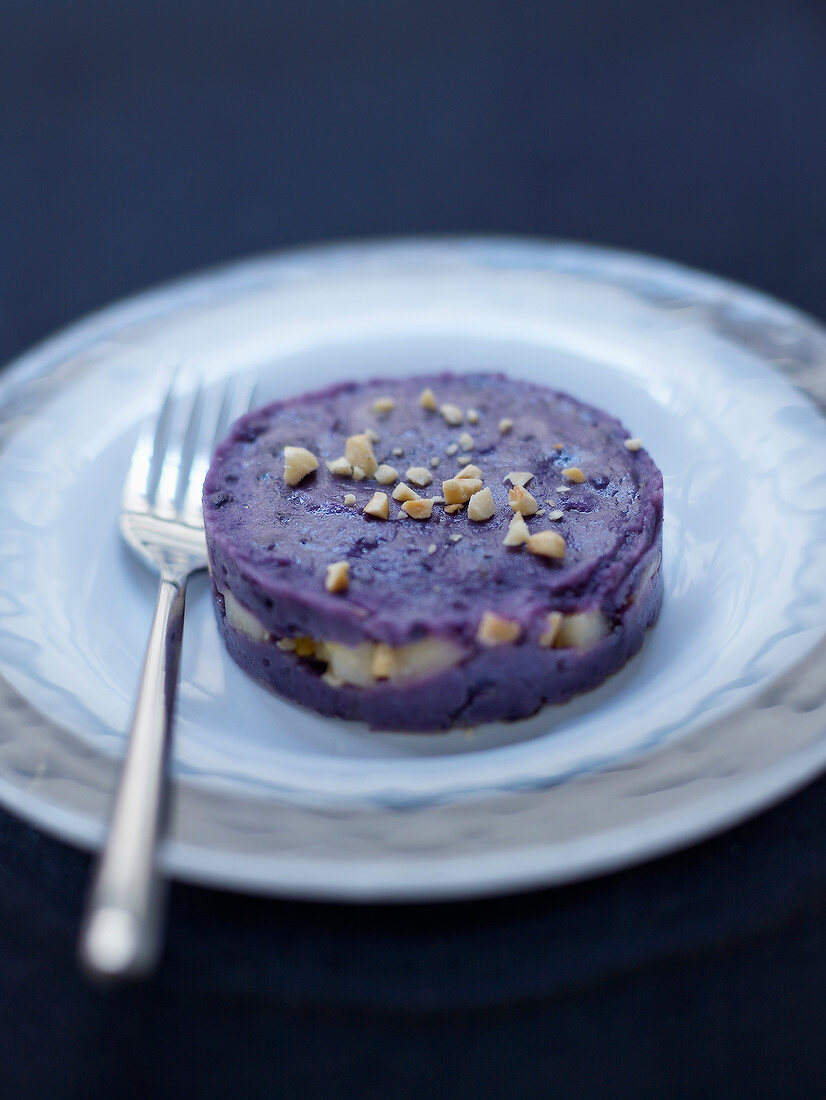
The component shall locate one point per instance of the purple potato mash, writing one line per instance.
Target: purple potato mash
(270, 544)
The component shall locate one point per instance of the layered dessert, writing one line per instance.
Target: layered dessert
(431, 552)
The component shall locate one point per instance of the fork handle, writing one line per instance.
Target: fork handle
(121, 932)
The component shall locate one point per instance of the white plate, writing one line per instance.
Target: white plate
(721, 713)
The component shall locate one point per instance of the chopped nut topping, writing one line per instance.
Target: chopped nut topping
(505, 425)
(633, 444)
(541, 512)
(358, 474)
(305, 647)
(451, 508)
(350, 499)
(563, 488)
(386, 475)
(432, 548)
(494, 630)
(470, 471)
(434, 462)
(472, 416)
(465, 441)
(404, 492)
(287, 644)
(338, 576)
(556, 514)
(377, 506)
(372, 435)
(554, 623)
(298, 462)
(519, 477)
(427, 399)
(518, 532)
(340, 467)
(558, 447)
(480, 506)
(522, 501)
(547, 544)
(398, 451)
(419, 475)
(420, 508)
(358, 450)
(451, 448)
(452, 414)
(463, 460)
(573, 473)
(459, 490)
(383, 405)
(455, 538)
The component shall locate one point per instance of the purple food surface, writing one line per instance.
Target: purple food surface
(505, 683)
(270, 543)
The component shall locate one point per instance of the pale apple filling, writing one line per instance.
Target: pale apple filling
(365, 664)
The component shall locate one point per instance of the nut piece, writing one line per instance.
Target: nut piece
(522, 501)
(573, 473)
(340, 467)
(338, 576)
(419, 508)
(358, 450)
(404, 492)
(519, 477)
(472, 416)
(386, 475)
(451, 414)
(494, 630)
(427, 399)
(451, 448)
(434, 462)
(557, 513)
(383, 405)
(505, 425)
(459, 490)
(633, 444)
(470, 471)
(451, 508)
(298, 462)
(518, 532)
(350, 499)
(554, 623)
(358, 474)
(465, 441)
(377, 506)
(372, 435)
(481, 506)
(398, 451)
(419, 475)
(547, 544)
(455, 538)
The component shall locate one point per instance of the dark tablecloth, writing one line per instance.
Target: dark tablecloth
(139, 141)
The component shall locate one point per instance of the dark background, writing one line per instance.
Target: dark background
(141, 140)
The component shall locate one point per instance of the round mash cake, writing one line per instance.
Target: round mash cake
(431, 552)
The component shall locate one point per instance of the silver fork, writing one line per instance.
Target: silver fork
(162, 521)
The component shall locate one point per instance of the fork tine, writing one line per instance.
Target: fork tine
(177, 455)
(221, 409)
(141, 479)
